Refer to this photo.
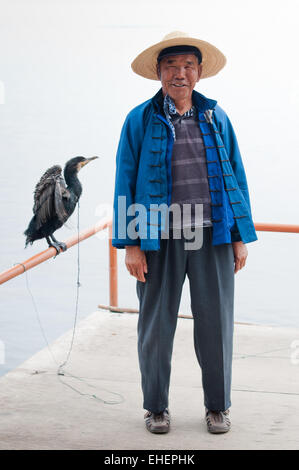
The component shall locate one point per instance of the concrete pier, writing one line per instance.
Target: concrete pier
(101, 406)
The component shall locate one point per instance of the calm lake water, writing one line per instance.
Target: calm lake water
(65, 96)
(266, 291)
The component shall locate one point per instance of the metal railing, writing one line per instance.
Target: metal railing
(39, 258)
(260, 227)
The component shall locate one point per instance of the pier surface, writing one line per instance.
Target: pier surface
(97, 404)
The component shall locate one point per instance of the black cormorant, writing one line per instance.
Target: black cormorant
(55, 200)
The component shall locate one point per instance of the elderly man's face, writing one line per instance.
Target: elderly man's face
(179, 75)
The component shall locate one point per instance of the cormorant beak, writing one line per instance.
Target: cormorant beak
(87, 160)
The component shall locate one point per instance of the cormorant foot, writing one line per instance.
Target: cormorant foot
(62, 246)
(58, 246)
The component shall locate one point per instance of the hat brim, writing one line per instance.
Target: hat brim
(213, 60)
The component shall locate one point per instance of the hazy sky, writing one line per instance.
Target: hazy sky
(65, 73)
(67, 63)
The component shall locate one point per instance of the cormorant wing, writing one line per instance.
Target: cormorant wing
(61, 192)
(50, 189)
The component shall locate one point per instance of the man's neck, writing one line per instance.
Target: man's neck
(183, 105)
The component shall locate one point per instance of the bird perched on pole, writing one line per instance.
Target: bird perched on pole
(55, 200)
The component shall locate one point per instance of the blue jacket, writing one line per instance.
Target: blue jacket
(143, 176)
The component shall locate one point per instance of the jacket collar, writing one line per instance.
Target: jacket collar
(200, 101)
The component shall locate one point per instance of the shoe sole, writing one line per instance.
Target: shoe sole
(218, 431)
(158, 431)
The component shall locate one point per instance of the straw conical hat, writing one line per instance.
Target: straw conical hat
(146, 62)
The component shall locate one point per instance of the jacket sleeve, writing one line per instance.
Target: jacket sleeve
(233, 151)
(127, 161)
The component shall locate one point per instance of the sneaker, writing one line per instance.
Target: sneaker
(157, 423)
(217, 421)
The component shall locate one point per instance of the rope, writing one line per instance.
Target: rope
(39, 320)
(60, 371)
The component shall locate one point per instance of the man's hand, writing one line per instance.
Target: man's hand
(240, 253)
(136, 262)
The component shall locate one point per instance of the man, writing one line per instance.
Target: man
(179, 148)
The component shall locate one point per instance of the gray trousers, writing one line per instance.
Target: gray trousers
(210, 270)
